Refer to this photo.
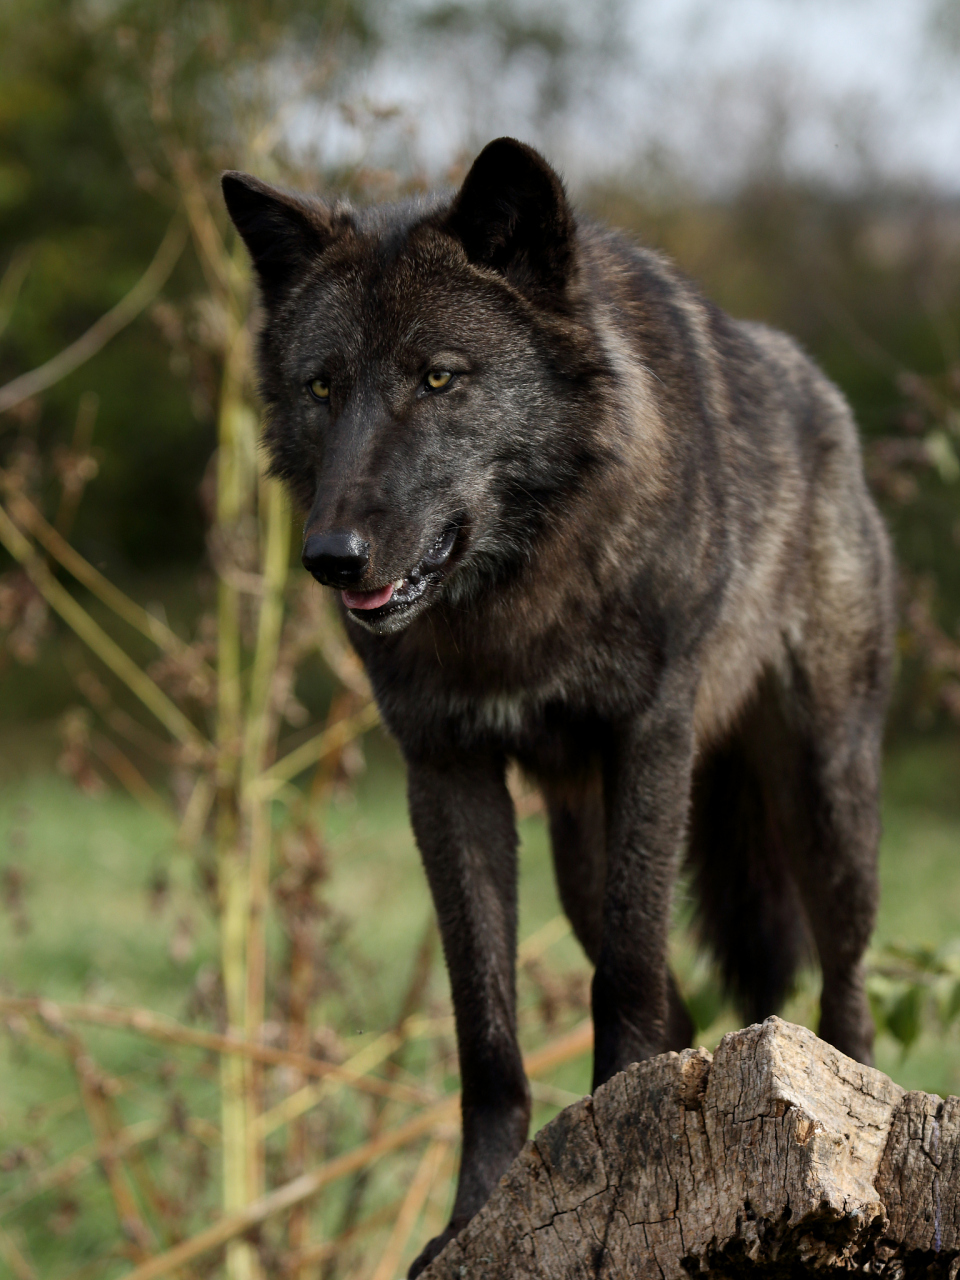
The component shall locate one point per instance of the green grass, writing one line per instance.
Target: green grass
(111, 911)
(920, 891)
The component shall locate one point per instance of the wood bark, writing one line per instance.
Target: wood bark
(776, 1156)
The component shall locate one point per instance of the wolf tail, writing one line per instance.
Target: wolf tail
(749, 910)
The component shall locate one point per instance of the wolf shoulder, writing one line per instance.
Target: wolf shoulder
(706, 369)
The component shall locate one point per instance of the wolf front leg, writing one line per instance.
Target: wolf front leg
(463, 820)
(647, 782)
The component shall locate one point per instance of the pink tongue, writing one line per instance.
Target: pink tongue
(367, 599)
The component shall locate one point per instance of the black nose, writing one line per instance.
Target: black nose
(338, 558)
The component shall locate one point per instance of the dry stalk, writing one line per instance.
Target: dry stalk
(78, 466)
(329, 1249)
(93, 1088)
(298, 908)
(259, 739)
(302, 1100)
(406, 1026)
(236, 480)
(437, 1212)
(128, 775)
(300, 975)
(197, 813)
(71, 1168)
(119, 602)
(413, 1202)
(142, 1177)
(107, 650)
(230, 1227)
(297, 1191)
(533, 946)
(315, 749)
(157, 1027)
(10, 1252)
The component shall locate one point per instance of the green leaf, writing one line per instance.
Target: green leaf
(904, 1018)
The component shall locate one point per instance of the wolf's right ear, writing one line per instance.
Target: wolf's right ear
(283, 231)
(512, 214)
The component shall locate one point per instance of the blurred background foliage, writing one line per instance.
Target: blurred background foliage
(93, 94)
(116, 118)
(88, 97)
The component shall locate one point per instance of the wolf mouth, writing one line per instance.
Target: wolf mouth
(406, 591)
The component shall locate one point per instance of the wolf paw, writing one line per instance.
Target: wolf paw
(436, 1246)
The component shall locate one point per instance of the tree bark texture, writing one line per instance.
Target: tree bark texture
(776, 1156)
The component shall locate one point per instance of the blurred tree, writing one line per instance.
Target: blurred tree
(545, 56)
(96, 103)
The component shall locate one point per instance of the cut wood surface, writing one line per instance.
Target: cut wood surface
(776, 1155)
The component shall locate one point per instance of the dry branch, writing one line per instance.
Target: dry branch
(27, 515)
(66, 1171)
(305, 1187)
(327, 1249)
(157, 1027)
(107, 650)
(420, 1187)
(11, 1255)
(322, 744)
(776, 1156)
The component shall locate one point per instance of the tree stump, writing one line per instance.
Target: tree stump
(777, 1155)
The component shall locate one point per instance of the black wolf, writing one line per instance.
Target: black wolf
(581, 519)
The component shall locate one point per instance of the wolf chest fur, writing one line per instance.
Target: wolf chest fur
(579, 518)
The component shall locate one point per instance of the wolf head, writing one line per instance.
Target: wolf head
(429, 374)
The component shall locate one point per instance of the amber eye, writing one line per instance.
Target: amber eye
(319, 389)
(437, 379)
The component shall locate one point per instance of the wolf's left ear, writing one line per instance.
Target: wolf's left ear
(512, 214)
(283, 231)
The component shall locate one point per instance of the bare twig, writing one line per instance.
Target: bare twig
(197, 812)
(14, 1259)
(65, 1171)
(327, 1249)
(276, 555)
(355, 1068)
(295, 1192)
(413, 1202)
(406, 1026)
(128, 775)
(93, 635)
(260, 729)
(92, 1091)
(533, 946)
(157, 1027)
(565, 1048)
(224, 276)
(27, 515)
(236, 491)
(81, 467)
(332, 739)
(437, 1212)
